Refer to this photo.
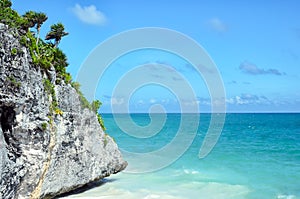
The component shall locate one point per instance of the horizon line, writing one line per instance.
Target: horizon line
(263, 112)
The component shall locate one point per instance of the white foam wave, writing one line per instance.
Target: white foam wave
(188, 171)
(175, 191)
(282, 196)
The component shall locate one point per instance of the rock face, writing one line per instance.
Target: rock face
(43, 156)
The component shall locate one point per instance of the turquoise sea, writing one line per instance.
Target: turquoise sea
(256, 157)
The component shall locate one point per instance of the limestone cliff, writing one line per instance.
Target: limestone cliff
(43, 154)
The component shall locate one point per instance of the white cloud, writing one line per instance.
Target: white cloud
(140, 102)
(152, 101)
(217, 25)
(245, 99)
(89, 14)
(117, 101)
(190, 102)
(165, 101)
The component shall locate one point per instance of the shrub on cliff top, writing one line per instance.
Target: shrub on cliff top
(44, 55)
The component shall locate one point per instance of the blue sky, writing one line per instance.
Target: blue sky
(254, 44)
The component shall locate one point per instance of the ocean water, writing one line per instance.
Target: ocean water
(257, 156)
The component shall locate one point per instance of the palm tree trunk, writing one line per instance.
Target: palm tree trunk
(56, 43)
(38, 35)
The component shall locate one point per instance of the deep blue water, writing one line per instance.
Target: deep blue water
(256, 156)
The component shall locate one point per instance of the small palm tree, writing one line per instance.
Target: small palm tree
(29, 20)
(40, 18)
(57, 32)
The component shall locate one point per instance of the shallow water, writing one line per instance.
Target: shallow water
(257, 156)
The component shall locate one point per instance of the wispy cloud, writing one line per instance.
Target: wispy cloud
(232, 82)
(217, 25)
(89, 14)
(246, 98)
(188, 67)
(177, 79)
(106, 96)
(152, 101)
(117, 101)
(252, 69)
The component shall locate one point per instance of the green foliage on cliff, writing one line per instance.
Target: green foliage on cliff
(94, 106)
(14, 82)
(44, 126)
(84, 102)
(8, 16)
(100, 120)
(49, 88)
(14, 51)
(45, 55)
